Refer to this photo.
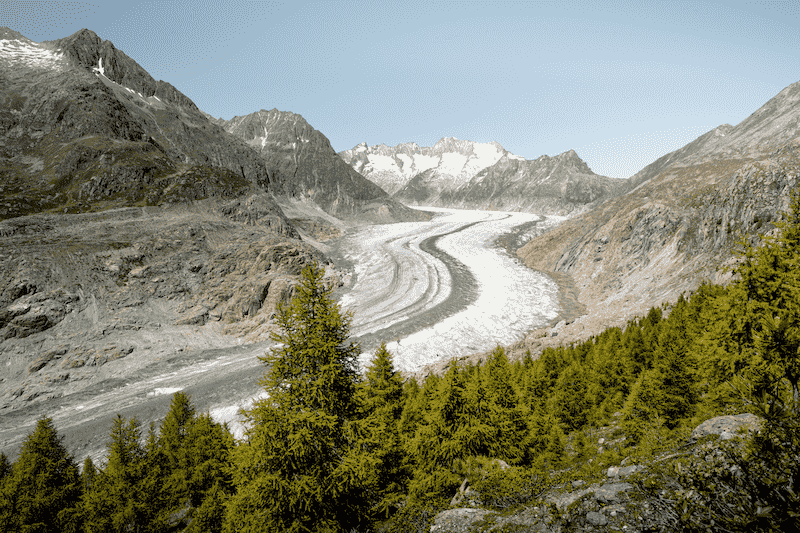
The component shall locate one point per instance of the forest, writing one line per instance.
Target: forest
(333, 448)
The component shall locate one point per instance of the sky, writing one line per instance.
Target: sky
(622, 83)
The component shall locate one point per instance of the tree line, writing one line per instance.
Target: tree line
(329, 448)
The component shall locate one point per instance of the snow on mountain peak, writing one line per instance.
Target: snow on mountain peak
(22, 52)
(453, 160)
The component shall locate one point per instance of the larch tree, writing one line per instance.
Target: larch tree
(299, 468)
(42, 491)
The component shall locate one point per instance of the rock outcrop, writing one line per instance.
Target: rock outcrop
(616, 503)
(560, 185)
(73, 285)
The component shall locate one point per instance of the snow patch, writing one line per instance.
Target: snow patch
(486, 154)
(383, 163)
(15, 52)
(100, 68)
(425, 162)
(232, 414)
(452, 163)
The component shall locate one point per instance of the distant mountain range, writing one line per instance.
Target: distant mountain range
(467, 174)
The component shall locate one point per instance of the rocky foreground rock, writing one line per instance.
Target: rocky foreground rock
(614, 503)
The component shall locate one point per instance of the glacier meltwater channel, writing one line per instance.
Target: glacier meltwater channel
(442, 289)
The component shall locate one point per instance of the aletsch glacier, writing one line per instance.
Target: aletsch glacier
(405, 296)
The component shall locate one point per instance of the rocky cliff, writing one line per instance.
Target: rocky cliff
(560, 185)
(680, 222)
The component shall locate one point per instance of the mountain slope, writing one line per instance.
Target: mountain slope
(131, 227)
(302, 163)
(558, 185)
(680, 223)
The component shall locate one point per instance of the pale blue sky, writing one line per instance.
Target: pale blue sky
(620, 82)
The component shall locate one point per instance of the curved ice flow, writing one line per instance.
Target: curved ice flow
(397, 282)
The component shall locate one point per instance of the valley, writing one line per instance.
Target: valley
(432, 290)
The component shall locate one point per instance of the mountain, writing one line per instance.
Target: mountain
(681, 220)
(558, 185)
(302, 163)
(133, 226)
(451, 162)
(466, 174)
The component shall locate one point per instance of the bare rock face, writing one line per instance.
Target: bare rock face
(79, 292)
(83, 127)
(726, 426)
(559, 185)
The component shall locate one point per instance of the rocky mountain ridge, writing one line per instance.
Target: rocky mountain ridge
(465, 174)
(452, 161)
(302, 161)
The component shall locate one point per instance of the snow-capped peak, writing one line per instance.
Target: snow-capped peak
(453, 160)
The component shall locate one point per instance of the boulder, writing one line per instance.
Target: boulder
(459, 520)
(726, 426)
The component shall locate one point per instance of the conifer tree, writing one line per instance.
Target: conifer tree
(43, 489)
(507, 414)
(676, 367)
(569, 401)
(88, 474)
(5, 468)
(117, 502)
(210, 516)
(382, 402)
(207, 449)
(300, 468)
(169, 453)
(545, 444)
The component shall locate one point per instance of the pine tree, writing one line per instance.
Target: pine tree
(210, 516)
(676, 367)
(299, 469)
(570, 402)
(88, 474)
(42, 491)
(170, 454)
(5, 466)
(208, 447)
